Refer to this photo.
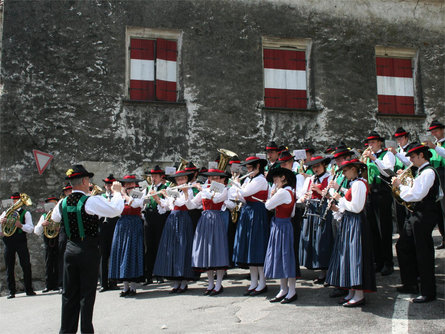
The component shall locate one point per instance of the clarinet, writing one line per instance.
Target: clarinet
(308, 201)
(323, 198)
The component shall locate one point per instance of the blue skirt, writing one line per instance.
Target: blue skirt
(210, 247)
(127, 249)
(316, 239)
(280, 256)
(252, 235)
(174, 257)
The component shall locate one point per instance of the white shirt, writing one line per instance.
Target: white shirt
(440, 151)
(28, 226)
(401, 155)
(97, 205)
(170, 202)
(358, 200)
(310, 180)
(206, 194)
(387, 162)
(39, 227)
(282, 196)
(421, 186)
(250, 187)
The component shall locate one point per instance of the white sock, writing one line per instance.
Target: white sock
(291, 283)
(183, 284)
(283, 288)
(358, 295)
(176, 284)
(211, 280)
(133, 286)
(126, 286)
(219, 278)
(262, 281)
(253, 277)
(350, 295)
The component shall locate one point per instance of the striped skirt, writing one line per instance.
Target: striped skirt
(174, 257)
(346, 266)
(280, 255)
(252, 235)
(210, 247)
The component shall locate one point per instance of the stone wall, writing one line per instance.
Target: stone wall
(63, 70)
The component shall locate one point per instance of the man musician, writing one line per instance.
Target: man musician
(415, 248)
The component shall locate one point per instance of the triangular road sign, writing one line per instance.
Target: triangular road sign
(42, 160)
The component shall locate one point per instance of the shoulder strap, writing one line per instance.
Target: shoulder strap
(78, 210)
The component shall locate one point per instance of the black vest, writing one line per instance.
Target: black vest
(430, 200)
(90, 222)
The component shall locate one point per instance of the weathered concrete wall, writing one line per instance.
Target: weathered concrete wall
(63, 69)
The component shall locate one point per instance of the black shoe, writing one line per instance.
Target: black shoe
(103, 289)
(338, 293)
(423, 299)
(207, 292)
(124, 293)
(174, 290)
(407, 289)
(442, 245)
(180, 290)
(131, 293)
(259, 292)
(30, 293)
(343, 300)
(248, 292)
(46, 290)
(387, 270)
(319, 280)
(215, 293)
(10, 296)
(277, 299)
(147, 282)
(354, 304)
(289, 300)
(159, 280)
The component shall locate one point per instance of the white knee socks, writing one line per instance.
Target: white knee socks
(283, 288)
(211, 280)
(262, 279)
(219, 278)
(253, 277)
(291, 284)
(358, 295)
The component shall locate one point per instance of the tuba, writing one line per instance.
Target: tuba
(9, 227)
(407, 179)
(224, 158)
(52, 229)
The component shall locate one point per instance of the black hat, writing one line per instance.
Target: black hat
(374, 136)
(272, 147)
(51, 199)
(329, 149)
(285, 156)
(214, 172)
(419, 148)
(191, 167)
(156, 170)
(342, 151)
(253, 160)
(282, 148)
(234, 160)
(318, 160)
(67, 186)
(287, 173)
(76, 172)
(15, 196)
(435, 125)
(400, 132)
(130, 178)
(110, 179)
(181, 173)
(353, 162)
(309, 150)
(203, 170)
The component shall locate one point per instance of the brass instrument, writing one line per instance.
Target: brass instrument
(52, 229)
(96, 190)
(224, 158)
(235, 212)
(183, 164)
(407, 179)
(9, 227)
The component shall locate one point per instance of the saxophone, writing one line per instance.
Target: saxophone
(52, 229)
(9, 227)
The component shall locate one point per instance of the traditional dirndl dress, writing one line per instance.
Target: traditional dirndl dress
(316, 239)
(252, 233)
(280, 256)
(127, 249)
(174, 257)
(210, 246)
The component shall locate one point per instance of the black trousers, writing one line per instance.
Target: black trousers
(401, 216)
(441, 222)
(415, 252)
(379, 217)
(106, 239)
(51, 263)
(153, 227)
(62, 247)
(81, 267)
(17, 243)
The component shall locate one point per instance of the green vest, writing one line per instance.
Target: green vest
(22, 220)
(276, 164)
(436, 160)
(152, 204)
(78, 210)
(373, 170)
(399, 164)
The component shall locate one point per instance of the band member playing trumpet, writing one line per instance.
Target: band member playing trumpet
(415, 249)
(379, 204)
(174, 257)
(127, 250)
(316, 240)
(17, 243)
(80, 214)
(210, 246)
(51, 250)
(280, 260)
(351, 266)
(252, 232)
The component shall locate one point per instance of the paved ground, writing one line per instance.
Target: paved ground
(153, 310)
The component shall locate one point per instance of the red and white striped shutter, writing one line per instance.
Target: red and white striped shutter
(166, 56)
(141, 69)
(395, 85)
(285, 79)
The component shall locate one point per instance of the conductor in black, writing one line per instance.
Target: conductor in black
(80, 213)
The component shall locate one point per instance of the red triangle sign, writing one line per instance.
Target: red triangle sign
(42, 160)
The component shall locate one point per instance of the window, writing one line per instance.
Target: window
(396, 80)
(152, 65)
(286, 74)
